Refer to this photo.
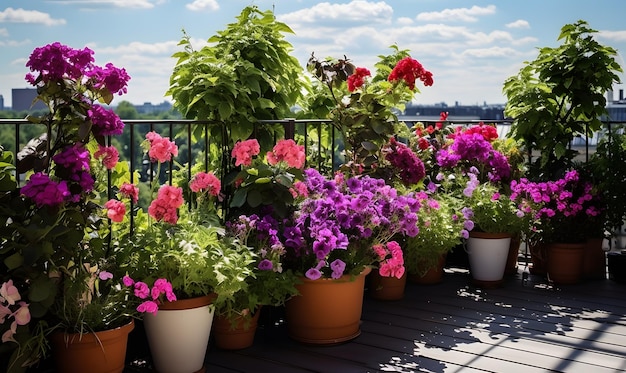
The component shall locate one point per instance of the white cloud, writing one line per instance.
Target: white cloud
(198, 5)
(520, 23)
(404, 21)
(4, 32)
(356, 10)
(28, 16)
(490, 52)
(136, 4)
(457, 14)
(617, 36)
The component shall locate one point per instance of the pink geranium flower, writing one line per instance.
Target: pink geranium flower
(109, 156)
(243, 151)
(161, 148)
(289, 152)
(204, 181)
(116, 210)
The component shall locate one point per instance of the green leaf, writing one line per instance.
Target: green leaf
(14, 261)
(239, 198)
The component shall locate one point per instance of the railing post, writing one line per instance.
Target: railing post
(290, 129)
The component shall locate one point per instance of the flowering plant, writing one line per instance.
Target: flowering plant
(362, 106)
(475, 172)
(53, 246)
(560, 210)
(271, 284)
(179, 242)
(265, 182)
(338, 222)
(441, 228)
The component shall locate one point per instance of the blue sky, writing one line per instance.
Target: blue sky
(470, 46)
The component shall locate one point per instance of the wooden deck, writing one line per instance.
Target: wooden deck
(524, 326)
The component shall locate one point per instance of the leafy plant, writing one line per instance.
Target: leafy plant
(244, 75)
(560, 95)
(363, 108)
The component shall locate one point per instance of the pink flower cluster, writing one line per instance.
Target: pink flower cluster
(165, 206)
(130, 191)
(161, 148)
(244, 151)
(568, 197)
(10, 298)
(287, 151)
(204, 181)
(115, 210)
(409, 69)
(390, 258)
(357, 79)
(151, 296)
(109, 156)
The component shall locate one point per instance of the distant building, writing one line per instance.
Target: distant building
(149, 108)
(23, 99)
(1, 102)
(456, 112)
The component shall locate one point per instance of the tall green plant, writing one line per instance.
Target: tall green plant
(560, 95)
(244, 75)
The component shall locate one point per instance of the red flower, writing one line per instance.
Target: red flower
(357, 79)
(409, 69)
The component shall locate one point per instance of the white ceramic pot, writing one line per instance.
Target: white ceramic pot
(488, 254)
(178, 335)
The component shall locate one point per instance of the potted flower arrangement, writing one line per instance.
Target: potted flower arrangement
(472, 168)
(329, 240)
(262, 196)
(560, 211)
(183, 243)
(53, 250)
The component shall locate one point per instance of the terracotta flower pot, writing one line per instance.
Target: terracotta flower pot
(565, 262)
(327, 311)
(434, 275)
(235, 334)
(386, 288)
(99, 352)
(594, 259)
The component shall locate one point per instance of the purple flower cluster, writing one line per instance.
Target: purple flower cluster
(261, 233)
(410, 168)
(568, 197)
(336, 225)
(105, 122)
(561, 209)
(57, 61)
(72, 169)
(474, 149)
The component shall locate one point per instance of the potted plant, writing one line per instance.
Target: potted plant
(53, 247)
(440, 230)
(263, 195)
(363, 106)
(559, 213)
(236, 81)
(472, 168)
(329, 241)
(549, 103)
(184, 243)
(271, 284)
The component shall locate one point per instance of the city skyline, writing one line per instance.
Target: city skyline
(470, 47)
